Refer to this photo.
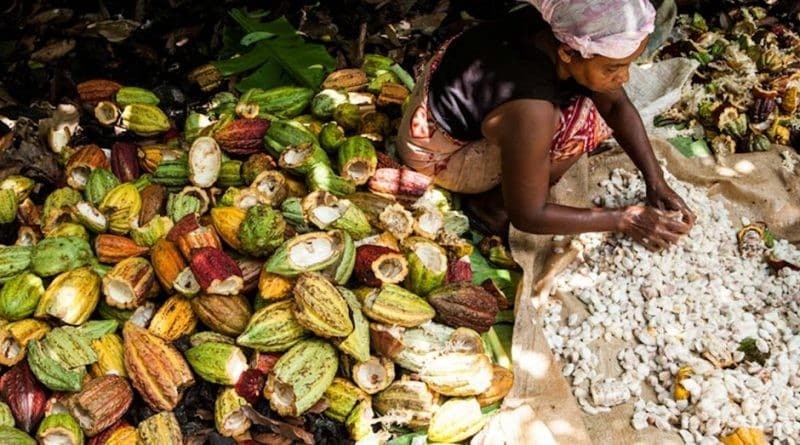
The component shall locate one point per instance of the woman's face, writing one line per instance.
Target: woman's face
(599, 73)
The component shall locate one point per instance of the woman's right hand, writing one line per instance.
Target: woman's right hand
(653, 228)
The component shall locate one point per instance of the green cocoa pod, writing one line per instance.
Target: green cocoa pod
(286, 133)
(60, 428)
(292, 212)
(135, 95)
(6, 416)
(14, 260)
(323, 104)
(122, 205)
(195, 126)
(20, 295)
(358, 160)
(180, 205)
(285, 102)
(52, 373)
(95, 329)
(12, 436)
(100, 182)
(51, 256)
(356, 344)
(304, 253)
(273, 328)
(145, 119)
(322, 177)
(219, 363)
(348, 116)
(331, 137)
(57, 206)
(262, 230)
(230, 174)
(301, 376)
(374, 64)
(8, 206)
(172, 173)
(68, 229)
(69, 346)
(229, 419)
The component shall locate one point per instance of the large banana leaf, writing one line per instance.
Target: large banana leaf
(277, 53)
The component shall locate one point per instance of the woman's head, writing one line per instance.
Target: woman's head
(599, 38)
(598, 73)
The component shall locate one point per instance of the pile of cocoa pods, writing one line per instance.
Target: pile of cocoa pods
(268, 268)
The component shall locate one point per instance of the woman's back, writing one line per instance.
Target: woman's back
(489, 65)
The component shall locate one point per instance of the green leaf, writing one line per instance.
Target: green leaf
(403, 75)
(505, 333)
(505, 279)
(254, 37)
(769, 238)
(306, 63)
(505, 316)
(500, 351)
(252, 59)
(691, 148)
(268, 75)
(231, 36)
(250, 22)
(491, 409)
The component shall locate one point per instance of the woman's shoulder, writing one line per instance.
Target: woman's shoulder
(501, 44)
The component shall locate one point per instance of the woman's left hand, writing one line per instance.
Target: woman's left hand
(662, 197)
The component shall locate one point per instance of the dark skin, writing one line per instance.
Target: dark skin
(528, 171)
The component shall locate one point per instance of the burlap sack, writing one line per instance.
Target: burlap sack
(540, 408)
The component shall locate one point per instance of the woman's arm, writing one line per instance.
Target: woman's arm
(624, 119)
(620, 114)
(524, 130)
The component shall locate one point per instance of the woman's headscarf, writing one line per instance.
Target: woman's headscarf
(611, 28)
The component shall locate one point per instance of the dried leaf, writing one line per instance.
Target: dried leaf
(53, 51)
(279, 427)
(114, 30)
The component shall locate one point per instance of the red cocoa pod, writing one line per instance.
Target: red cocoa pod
(399, 181)
(184, 225)
(242, 136)
(125, 161)
(95, 90)
(264, 361)
(459, 271)
(376, 265)
(24, 395)
(216, 272)
(464, 305)
(250, 384)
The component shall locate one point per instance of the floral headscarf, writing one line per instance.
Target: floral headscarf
(611, 28)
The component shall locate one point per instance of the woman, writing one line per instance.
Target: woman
(516, 102)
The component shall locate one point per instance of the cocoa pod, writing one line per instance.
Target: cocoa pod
(464, 305)
(101, 403)
(156, 369)
(24, 395)
(125, 161)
